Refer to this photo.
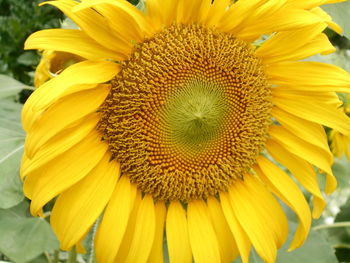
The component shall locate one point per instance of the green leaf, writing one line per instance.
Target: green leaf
(343, 254)
(18, 19)
(24, 238)
(340, 13)
(341, 235)
(341, 170)
(41, 259)
(28, 58)
(344, 214)
(315, 250)
(9, 87)
(10, 184)
(134, 2)
(11, 148)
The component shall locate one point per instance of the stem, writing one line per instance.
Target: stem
(56, 256)
(47, 255)
(92, 257)
(334, 225)
(72, 256)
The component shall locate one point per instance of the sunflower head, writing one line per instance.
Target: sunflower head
(207, 113)
(175, 123)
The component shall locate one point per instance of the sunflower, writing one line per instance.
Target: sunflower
(51, 64)
(175, 122)
(340, 143)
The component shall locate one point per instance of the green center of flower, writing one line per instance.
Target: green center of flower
(188, 113)
(194, 115)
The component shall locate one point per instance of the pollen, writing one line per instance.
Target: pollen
(188, 113)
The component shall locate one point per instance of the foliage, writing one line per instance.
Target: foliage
(20, 232)
(23, 237)
(11, 142)
(340, 14)
(316, 249)
(341, 236)
(134, 2)
(18, 19)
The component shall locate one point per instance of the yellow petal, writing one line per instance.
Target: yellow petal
(300, 147)
(253, 217)
(93, 24)
(203, 239)
(242, 241)
(239, 13)
(77, 208)
(314, 111)
(284, 187)
(154, 12)
(61, 173)
(282, 47)
(187, 11)
(310, 3)
(80, 76)
(267, 8)
(284, 20)
(306, 152)
(177, 234)
(115, 220)
(163, 13)
(332, 1)
(145, 229)
(130, 231)
(268, 207)
(308, 131)
(340, 144)
(118, 14)
(217, 11)
(319, 76)
(25, 162)
(156, 255)
(62, 114)
(60, 143)
(204, 10)
(329, 97)
(318, 11)
(168, 9)
(79, 247)
(302, 171)
(227, 244)
(71, 41)
(319, 45)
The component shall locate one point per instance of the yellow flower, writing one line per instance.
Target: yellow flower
(167, 124)
(51, 64)
(340, 143)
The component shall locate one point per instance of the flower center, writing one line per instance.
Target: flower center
(194, 115)
(188, 113)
